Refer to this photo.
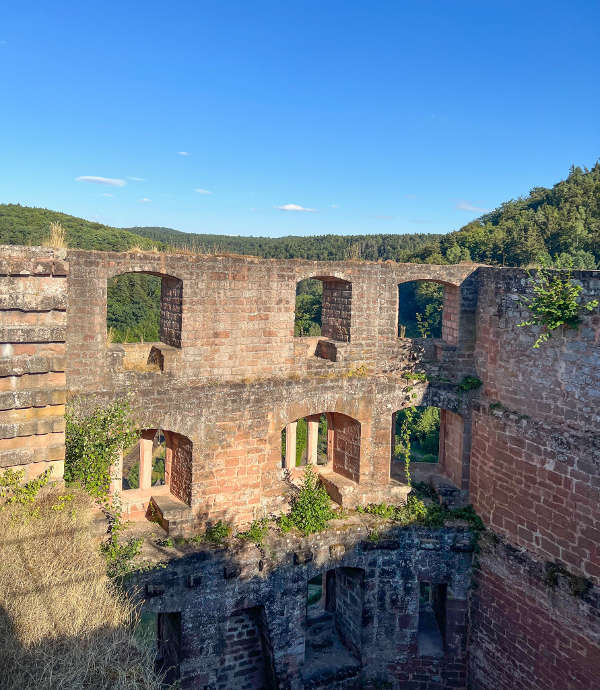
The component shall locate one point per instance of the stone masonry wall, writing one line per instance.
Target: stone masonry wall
(346, 449)
(336, 319)
(181, 452)
(527, 634)
(215, 589)
(232, 376)
(535, 481)
(349, 597)
(451, 446)
(245, 659)
(33, 304)
(171, 303)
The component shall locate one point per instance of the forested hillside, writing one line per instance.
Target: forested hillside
(549, 226)
(31, 226)
(318, 248)
(558, 227)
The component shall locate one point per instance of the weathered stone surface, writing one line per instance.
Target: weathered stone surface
(230, 376)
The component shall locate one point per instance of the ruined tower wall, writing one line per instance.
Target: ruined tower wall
(33, 316)
(535, 468)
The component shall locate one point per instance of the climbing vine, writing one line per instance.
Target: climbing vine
(403, 446)
(556, 304)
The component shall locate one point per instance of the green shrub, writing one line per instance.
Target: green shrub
(311, 506)
(217, 533)
(469, 383)
(119, 554)
(93, 439)
(415, 511)
(556, 304)
(256, 533)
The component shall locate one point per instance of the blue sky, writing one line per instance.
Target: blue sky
(397, 116)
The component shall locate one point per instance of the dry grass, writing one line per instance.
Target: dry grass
(57, 238)
(63, 624)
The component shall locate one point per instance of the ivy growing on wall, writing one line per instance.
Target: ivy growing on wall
(556, 304)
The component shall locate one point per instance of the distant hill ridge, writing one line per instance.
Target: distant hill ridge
(558, 226)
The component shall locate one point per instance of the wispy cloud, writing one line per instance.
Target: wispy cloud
(295, 207)
(111, 181)
(3, 42)
(106, 194)
(199, 190)
(467, 206)
(136, 179)
(183, 153)
(333, 205)
(410, 196)
(145, 200)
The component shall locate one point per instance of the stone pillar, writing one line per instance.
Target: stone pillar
(116, 475)
(168, 460)
(330, 438)
(312, 435)
(290, 445)
(146, 458)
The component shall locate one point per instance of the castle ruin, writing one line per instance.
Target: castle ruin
(228, 377)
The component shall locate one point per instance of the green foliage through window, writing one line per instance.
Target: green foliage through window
(417, 435)
(420, 305)
(309, 298)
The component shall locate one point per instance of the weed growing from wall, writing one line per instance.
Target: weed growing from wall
(256, 533)
(403, 446)
(311, 506)
(218, 533)
(556, 304)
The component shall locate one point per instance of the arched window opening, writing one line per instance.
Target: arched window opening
(323, 308)
(160, 464)
(131, 463)
(329, 439)
(146, 309)
(309, 298)
(420, 426)
(305, 452)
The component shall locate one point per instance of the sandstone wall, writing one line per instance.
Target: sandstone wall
(229, 375)
(535, 481)
(33, 317)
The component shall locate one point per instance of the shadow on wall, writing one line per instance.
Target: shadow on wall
(283, 616)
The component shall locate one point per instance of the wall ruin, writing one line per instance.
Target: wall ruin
(523, 448)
